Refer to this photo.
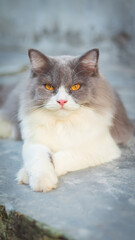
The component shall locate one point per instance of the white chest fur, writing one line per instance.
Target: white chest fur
(81, 127)
(79, 141)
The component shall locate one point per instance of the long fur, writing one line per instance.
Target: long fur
(84, 133)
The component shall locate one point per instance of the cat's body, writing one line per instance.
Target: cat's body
(69, 116)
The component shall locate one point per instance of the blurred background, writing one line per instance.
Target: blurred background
(71, 27)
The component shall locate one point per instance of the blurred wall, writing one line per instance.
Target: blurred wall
(61, 26)
(71, 27)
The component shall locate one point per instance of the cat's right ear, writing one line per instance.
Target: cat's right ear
(88, 62)
(40, 63)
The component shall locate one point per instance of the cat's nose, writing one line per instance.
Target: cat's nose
(61, 102)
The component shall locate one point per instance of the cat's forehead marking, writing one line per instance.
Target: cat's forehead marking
(61, 94)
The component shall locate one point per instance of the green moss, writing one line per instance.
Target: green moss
(15, 226)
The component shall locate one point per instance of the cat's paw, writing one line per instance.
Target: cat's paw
(22, 176)
(59, 161)
(43, 181)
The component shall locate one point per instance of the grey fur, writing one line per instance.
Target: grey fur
(65, 71)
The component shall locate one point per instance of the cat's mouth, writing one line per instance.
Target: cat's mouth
(66, 107)
(62, 108)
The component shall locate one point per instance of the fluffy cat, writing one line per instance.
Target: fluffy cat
(67, 115)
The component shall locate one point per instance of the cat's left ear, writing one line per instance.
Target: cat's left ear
(89, 60)
(40, 62)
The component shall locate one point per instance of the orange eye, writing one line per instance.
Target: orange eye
(75, 87)
(49, 87)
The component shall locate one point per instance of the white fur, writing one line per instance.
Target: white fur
(22, 176)
(75, 139)
(38, 167)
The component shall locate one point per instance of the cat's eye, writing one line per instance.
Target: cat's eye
(75, 87)
(49, 87)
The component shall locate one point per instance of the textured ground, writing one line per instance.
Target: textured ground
(97, 203)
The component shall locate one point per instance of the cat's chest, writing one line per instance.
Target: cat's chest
(55, 134)
(60, 136)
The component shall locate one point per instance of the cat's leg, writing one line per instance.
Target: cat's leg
(70, 160)
(103, 150)
(37, 163)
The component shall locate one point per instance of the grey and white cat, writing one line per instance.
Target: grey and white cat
(67, 115)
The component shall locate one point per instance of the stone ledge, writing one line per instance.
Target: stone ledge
(16, 226)
(96, 203)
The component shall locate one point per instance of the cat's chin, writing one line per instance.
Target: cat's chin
(62, 113)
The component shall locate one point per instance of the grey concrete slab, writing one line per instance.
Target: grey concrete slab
(97, 203)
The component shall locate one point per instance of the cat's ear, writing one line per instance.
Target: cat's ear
(40, 63)
(89, 61)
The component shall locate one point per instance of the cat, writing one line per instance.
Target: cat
(67, 115)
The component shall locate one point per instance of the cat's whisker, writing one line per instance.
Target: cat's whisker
(76, 66)
(86, 71)
(80, 72)
(35, 108)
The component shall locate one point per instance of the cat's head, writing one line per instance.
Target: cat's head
(64, 84)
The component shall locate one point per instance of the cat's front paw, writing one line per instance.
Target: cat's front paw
(43, 181)
(22, 176)
(59, 161)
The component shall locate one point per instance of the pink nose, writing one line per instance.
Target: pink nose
(62, 102)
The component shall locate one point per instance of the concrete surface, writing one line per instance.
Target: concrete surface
(96, 203)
